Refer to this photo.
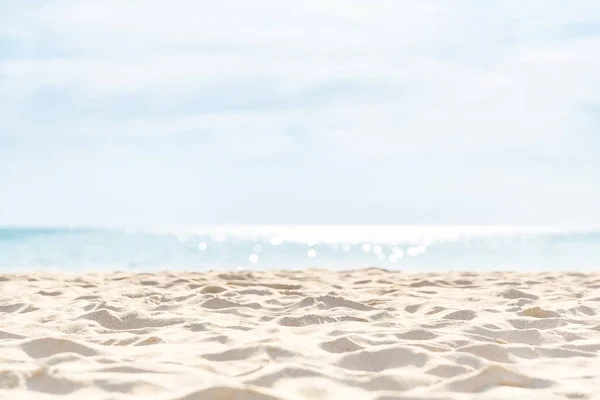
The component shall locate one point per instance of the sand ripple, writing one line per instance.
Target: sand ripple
(313, 334)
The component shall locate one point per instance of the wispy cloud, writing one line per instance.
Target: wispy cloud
(467, 87)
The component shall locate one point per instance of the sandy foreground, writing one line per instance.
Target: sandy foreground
(311, 334)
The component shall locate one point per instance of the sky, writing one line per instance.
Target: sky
(299, 112)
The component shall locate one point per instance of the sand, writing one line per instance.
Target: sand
(311, 334)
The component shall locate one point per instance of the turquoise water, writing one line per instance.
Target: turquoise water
(335, 247)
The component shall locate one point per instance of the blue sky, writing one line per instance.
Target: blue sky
(190, 112)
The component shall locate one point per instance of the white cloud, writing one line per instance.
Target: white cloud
(334, 80)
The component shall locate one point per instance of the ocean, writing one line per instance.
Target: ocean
(410, 248)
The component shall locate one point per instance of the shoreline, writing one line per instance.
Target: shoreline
(268, 269)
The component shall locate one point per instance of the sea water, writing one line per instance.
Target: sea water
(411, 248)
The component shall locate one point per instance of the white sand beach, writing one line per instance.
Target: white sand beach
(310, 334)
